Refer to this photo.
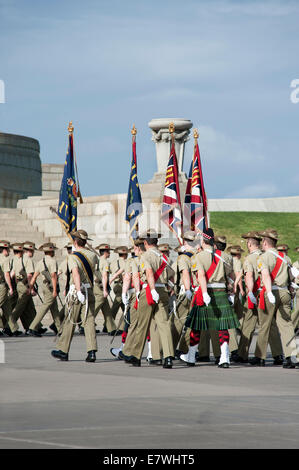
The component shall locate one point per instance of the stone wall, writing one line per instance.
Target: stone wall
(20, 168)
(51, 179)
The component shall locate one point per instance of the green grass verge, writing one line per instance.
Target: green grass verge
(233, 224)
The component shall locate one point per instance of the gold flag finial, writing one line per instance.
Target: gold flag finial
(71, 127)
(171, 128)
(134, 130)
(195, 134)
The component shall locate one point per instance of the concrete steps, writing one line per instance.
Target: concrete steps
(16, 227)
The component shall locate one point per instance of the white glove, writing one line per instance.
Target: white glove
(138, 295)
(271, 297)
(295, 271)
(80, 297)
(252, 297)
(125, 298)
(231, 299)
(155, 295)
(189, 294)
(206, 298)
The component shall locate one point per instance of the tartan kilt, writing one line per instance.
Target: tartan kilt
(219, 315)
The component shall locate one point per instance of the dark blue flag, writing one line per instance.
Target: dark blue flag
(134, 201)
(67, 206)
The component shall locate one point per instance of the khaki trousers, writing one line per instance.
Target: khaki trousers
(117, 302)
(295, 313)
(177, 323)
(160, 313)
(49, 303)
(156, 346)
(24, 309)
(5, 304)
(101, 303)
(250, 322)
(78, 314)
(130, 339)
(282, 311)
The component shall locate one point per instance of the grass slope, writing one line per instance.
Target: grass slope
(233, 224)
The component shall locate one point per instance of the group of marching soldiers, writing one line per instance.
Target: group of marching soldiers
(175, 308)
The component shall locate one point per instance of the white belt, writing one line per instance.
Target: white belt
(87, 286)
(279, 288)
(216, 285)
(156, 285)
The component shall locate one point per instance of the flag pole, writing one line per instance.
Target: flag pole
(71, 132)
(134, 132)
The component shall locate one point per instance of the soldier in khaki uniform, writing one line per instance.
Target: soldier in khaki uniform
(153, 300)
(210, 307)
(6, 290)
(63, 272)
(101, 283)
(250, 321)
(295, 285)
(183, 281)
(48, 268)
(275, 299)
(80, 301)
(117, 267)
(24, 309)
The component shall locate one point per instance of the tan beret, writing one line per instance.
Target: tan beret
(252, 234)
(82, 234)
(103, 246)
(150, 233)
(29, 246)
(220, 238)
(48, 247)
(190, 235)
(269, 233)
(121, 250)
(17, 246)
(235, 250)
(4, 244)
(283, 247)
(164, 247)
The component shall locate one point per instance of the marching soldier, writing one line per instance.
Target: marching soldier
(10, 326)
(48, 268)
(101, 288)
(211, 309)
(63, 270)
(295, 285)
(24, 309)
(153, 300)
(250, 321)
(80, 302)
(117, 268)
(275, 299)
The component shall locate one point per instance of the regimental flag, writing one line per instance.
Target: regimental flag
(171, 206)
(196, 207)
(134, 201)
(67, 206)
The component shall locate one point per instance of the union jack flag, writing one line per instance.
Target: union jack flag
(196, 207)
(171, 205)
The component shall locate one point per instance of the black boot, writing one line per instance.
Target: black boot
(53, 328)
(60, 355)
(278, 361)
(42, 331)
(224, 365)
(167, 363)
(217, 359)
(202, 358)
(239, 360)
(154, 362)
(257, 361)
(91, 356)
(81, 330)
(289, 364)
(34, 333)
(7, 332)
(17, 333)
(233, 354)
(134, 361)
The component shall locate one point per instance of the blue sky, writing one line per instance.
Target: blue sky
(226, 65)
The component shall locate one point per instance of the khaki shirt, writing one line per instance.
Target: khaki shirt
(268, 260)
(250, 263)
(131, 265)
(4, 267)
(51, 264)
(237, 265)
(116, 265)
(296, 265)
(18, 266)
(29, 264)
(102, 265)
(149, 260)
(74, 262)
(183, 262)
(202, 262)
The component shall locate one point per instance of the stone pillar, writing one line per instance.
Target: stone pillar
(162, 139)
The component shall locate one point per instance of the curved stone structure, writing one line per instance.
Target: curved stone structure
(20, 169)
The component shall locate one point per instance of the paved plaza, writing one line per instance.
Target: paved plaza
(45, 403)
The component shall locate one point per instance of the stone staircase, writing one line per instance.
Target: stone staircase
(15, 227)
